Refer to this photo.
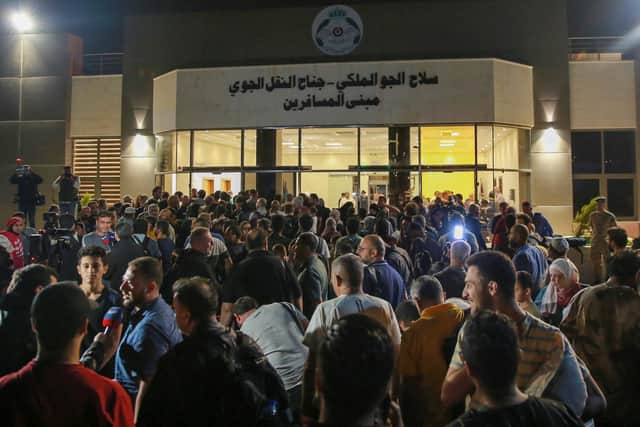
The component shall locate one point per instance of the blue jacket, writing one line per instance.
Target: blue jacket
(383, 281)
(542, 225)
(531, 259)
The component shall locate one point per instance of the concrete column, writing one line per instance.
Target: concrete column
(399, 161)
(266, 140)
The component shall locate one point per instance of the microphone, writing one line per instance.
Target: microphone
(112, 319)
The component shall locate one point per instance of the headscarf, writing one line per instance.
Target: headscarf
(554, 296)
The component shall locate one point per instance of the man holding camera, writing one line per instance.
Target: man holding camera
(67, 186)
(27, 182)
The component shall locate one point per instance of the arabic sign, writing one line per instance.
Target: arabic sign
(337, 30)
(307, 83)
(344, 94)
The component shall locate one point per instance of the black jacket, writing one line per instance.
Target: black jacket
(27, 186)
(17, 341)
(261, 276)
(189, 264)
(118, 259)
(215, 378)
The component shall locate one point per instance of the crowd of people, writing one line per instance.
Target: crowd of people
(253, 312)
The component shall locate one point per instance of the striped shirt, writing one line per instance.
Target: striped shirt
(541, 351)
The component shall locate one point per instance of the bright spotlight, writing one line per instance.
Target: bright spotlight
(22, 22)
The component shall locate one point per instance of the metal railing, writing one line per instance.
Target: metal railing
(102, 63)
(596, 49)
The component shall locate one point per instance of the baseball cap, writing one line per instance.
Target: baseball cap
(130, 211)
(559, 244)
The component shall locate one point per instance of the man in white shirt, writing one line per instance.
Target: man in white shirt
(347, 274)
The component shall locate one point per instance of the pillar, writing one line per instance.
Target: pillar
(399, 163)
(266, 159)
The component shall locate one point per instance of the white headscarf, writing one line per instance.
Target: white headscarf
(563, 266)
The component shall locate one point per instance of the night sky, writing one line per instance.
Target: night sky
(99, 22)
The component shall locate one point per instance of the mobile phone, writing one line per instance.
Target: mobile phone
(458, 232)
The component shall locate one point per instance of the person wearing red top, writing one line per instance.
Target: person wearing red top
(12, 241)
(54, 389)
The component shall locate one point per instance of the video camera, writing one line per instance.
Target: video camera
(23, 170)
(55, 244)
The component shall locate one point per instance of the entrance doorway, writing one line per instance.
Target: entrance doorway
(455, 182)
(208, 185)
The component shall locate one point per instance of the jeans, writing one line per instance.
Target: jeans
(29, 211)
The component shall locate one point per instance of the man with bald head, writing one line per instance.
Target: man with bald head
(380, 279)
(527, 258)
(452, 277)
(346, 279)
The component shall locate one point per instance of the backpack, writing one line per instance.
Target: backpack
(422, 259)
(261, 385)
(394, 255)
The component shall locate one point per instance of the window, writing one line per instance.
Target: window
(604, 163)
(587, 154)
(287, 147)
(250, 147)
(374, 146)
(584, 190)
(97, 163)
(619, 152)
(216, 148)
(166, 152)
(620, 198)
(448, 146)
(506, 148)
(330, 161)
(183, 155)
(330, 149)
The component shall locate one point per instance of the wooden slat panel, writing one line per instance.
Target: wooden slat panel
(87, 164)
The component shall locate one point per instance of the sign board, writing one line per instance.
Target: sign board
(344, 94)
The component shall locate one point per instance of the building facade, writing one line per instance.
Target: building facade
(483, 98)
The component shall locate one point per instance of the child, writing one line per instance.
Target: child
(523, 293)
